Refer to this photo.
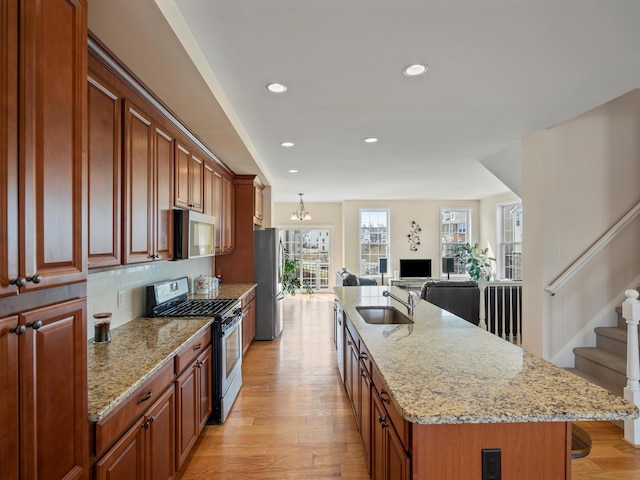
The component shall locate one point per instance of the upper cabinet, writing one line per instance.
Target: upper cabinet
(105, 173)
(189, 170)
(257, 202)
(148, 167)
(43, 169)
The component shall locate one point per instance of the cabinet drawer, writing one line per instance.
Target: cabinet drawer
(401, 426)
(190, 351)
(365, 358)
(353, 333)
(112, 427)
(248, 298)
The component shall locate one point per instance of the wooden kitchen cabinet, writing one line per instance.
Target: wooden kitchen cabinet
(105, 173)
(43, 139)
(248, 319)
(147, 450)
(43, 384)
(194, 387)
(258, 206)
(148, 188)
(352, 374)
(208, 191)
(389, 461)
(189, 171)
(228, 215)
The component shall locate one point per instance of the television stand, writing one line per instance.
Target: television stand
(411, 284)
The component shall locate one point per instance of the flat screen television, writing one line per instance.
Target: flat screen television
(415, 268)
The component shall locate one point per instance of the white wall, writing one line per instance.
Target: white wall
(103, 287)
(578, 179)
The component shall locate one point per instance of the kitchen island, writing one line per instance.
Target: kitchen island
(451, 390)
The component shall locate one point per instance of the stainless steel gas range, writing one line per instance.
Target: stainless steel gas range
(170, 299)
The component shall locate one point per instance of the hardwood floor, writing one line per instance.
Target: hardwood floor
(293, 420)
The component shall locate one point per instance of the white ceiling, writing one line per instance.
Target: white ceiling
(498, 71)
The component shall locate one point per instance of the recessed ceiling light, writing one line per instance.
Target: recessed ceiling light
(415, 70)
(287, 144)
(277, 88)
(293, 171)
(370, 140)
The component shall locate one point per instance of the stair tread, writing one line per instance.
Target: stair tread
(615, 389)
(616, 333)
(608, 359)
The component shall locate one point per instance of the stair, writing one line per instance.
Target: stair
(606, 363)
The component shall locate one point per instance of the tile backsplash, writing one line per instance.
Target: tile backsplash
(105, 287)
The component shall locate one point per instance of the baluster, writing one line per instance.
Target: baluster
(504, 311)
(482, 285)
(631, 313)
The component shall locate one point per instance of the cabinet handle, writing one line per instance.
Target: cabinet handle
(18, 282)
(197, 347)
(19, 330)
(364, 356)
(145, 398)
(35, 325)
(151, 420)
(385, 400)
(35, 278)
(349, 342)
(145, 425)
(382, 422)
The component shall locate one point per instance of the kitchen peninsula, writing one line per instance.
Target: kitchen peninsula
(440, 397)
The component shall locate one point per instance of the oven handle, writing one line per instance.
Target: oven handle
(236, 319)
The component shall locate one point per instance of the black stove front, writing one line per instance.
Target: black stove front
(215, 307)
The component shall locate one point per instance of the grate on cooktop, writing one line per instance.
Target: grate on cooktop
(199, 308)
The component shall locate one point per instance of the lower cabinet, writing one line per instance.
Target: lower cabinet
(147, 449)
(248, 320)
(389, 461)
(43, 384)
(194, 405)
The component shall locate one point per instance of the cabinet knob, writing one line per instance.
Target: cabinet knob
(19, 330)
(35, 278)
(35, 325)
(383, 424)
(18, 282)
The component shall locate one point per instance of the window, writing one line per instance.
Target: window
(510, 258)
(374, 244)
(312, 249)
(455, 229)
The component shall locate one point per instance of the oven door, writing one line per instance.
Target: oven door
(231, 365)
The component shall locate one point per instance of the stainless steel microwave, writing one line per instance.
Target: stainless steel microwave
(194, 235)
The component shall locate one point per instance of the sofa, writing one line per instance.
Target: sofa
(344, 278)
(462, 298)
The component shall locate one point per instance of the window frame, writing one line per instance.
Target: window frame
(500, 234)
(387, 212)
(459, 269)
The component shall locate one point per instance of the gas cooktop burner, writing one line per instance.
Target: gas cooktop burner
(199, 308)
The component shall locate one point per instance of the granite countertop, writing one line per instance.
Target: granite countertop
(445, 370)
(137, 350)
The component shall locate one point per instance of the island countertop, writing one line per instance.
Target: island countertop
(444, 370)
(138, 349)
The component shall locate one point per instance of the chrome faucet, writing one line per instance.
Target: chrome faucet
(409, 303)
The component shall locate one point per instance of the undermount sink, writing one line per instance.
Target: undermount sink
(383, 315)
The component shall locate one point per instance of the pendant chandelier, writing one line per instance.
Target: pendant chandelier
(301, 213)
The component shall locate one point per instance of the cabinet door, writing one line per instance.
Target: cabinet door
(352, 376)
(53, 392)
(138, 185)
(378, 427)
(365, 414)
(208, 202)
(53, 98)
(105, 128)
(397, 461)
(160, 439)
(196, 173)
(9, 411)
(188, 424)
(125, 460)
(183, 160)
(228, 214)
(257, 205)
(217, 205)
(8, 148)
(205, 385)
(162, 215)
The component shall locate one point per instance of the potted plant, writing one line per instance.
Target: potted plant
(476, 261)
(291, 277)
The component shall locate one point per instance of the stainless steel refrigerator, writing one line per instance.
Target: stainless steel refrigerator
(268, 254)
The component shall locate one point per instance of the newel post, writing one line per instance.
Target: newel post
(482, 285)
(631, 313)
